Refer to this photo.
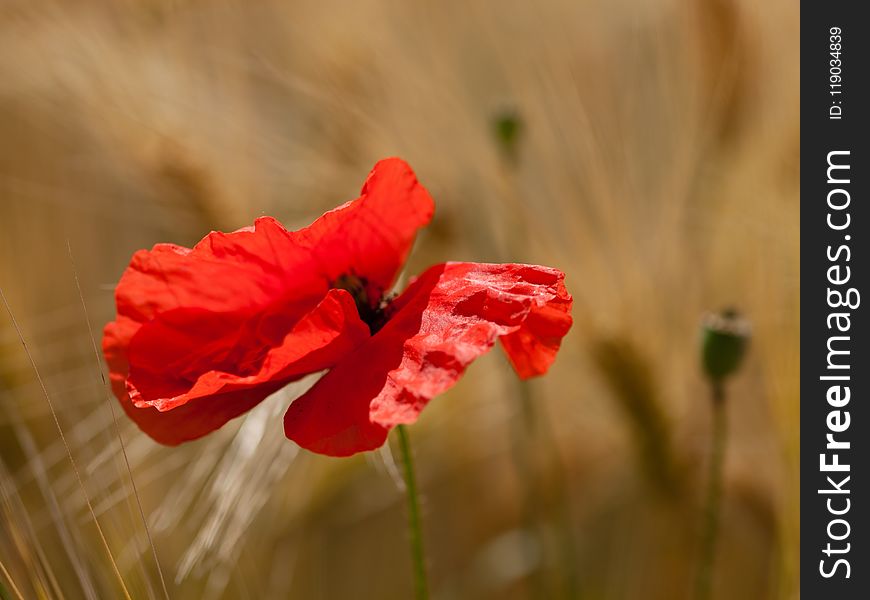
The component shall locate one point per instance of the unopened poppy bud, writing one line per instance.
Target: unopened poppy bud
(507, 127)
(725, 336)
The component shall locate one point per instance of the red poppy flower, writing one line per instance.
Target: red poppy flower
(202, 335)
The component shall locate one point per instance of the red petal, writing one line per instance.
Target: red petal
(253, 267)
(532, 348)
(213, 323)
(185, 411)
(371, 237)
(449, 316)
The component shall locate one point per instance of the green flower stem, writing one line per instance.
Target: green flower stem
(533, 447)
(526, 463)
(415, 527)
(714, 495)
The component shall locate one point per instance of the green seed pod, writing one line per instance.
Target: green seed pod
(725, 336)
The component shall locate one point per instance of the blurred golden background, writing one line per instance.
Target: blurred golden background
(647, 148)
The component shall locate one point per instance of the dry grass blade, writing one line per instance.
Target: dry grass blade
(40, 473)
(240, 484)
(8, 577)
(66, 445)
(27, 544)
(111, 404)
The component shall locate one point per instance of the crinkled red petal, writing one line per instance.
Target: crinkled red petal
(213, 322)
(449, 316)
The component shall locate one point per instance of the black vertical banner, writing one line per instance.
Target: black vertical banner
(835, 374)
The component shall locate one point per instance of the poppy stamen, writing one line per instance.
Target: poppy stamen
(372, 313)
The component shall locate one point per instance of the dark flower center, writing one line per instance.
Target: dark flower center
(371, 304)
